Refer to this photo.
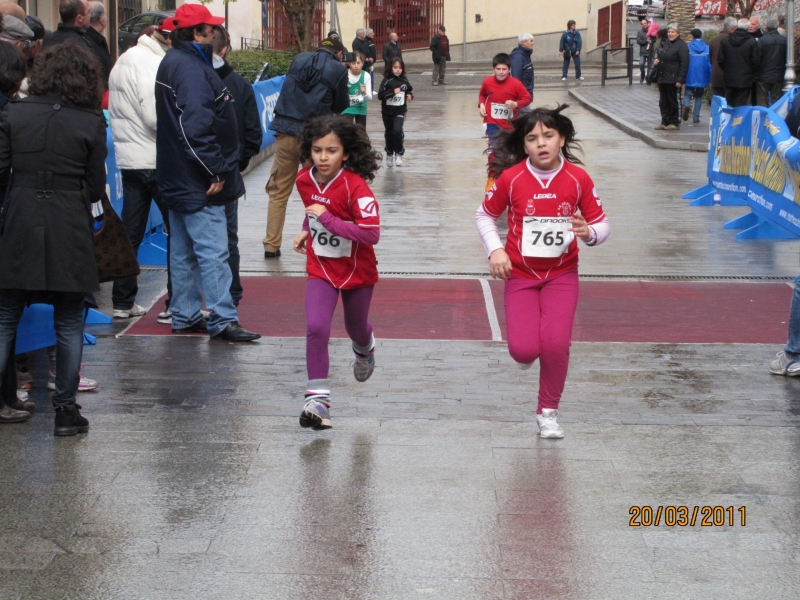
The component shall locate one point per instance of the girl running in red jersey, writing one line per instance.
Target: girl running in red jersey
(543, 189)
(340, 229)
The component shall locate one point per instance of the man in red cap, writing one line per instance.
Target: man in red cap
(197, 170)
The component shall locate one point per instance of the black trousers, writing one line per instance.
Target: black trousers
(9, 381)
(738, 96)
(668, 102)
(359, 119)
(394, 136)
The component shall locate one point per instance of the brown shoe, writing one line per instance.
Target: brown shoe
(435, 83)
(445, 82)
(660, 126)
(673, 127)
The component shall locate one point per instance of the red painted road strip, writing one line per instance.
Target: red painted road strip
(454, 309)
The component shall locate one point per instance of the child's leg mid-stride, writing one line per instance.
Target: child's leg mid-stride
(539, 317)
(321, 298)
(356, 322)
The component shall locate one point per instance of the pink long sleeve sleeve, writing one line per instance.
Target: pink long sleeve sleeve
(350, 231)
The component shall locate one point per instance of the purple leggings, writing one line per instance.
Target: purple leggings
(321, 298)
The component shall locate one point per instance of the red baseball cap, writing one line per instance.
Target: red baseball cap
(191, 15)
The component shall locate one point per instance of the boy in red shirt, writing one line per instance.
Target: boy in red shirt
(499, 101)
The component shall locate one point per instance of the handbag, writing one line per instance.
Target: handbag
(567, 54)
(112, 247)
(652, 76)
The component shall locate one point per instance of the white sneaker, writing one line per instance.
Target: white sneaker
(390, 160)
(548, 425)
(783, 365)
(580, 78)
(398, 161)
(127, 313)
(165, 318)
(563, 79)
(524, 366)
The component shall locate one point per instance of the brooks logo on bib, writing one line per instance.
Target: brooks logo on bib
(325, 243)
(396, 100)
(501, 111)
(545, 237)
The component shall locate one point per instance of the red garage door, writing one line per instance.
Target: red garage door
(415, 21)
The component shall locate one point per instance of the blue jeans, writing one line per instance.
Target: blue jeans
(491, 131)
(644, 66)
(232, 218)
(697, 94)
(565, 66)
(139, 188)
(792, 348)
(68, 309)
(199, 259)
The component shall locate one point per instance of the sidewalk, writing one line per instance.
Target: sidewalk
(634, 109)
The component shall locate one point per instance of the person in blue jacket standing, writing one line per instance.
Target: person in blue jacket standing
(521, 65)
(570, 48)
(197, 170)
(698, 77)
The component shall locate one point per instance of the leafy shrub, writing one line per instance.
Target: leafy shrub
(248, 63)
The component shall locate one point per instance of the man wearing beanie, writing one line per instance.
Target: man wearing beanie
(316, 84)
(698, 76)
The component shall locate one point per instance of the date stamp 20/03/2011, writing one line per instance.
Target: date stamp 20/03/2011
(683, 516)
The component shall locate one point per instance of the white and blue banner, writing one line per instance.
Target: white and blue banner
(267, 93)
(753, 160)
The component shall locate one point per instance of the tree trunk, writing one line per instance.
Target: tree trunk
(681, 12)
(746, 8)
(731, 12)
(301, 14)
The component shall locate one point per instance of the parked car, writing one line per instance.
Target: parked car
(642, 8)
(130, 29)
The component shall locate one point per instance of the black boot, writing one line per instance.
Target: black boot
(69, 421)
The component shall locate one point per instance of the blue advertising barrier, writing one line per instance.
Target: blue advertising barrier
(754, 161)
(267, 93)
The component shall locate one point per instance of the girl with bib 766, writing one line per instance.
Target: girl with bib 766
(551, 202)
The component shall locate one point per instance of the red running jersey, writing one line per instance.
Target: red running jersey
(494, 95)
(345, 264)
(538, 243)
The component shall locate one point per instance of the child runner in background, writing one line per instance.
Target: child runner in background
(395, 93)
(543, 189)
(499, 101)
(360, 85)
(341, 227)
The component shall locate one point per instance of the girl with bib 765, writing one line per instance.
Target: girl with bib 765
(551, 202)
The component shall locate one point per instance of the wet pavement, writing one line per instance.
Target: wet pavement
(195, 480)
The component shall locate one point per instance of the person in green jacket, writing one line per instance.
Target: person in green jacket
(360, 87)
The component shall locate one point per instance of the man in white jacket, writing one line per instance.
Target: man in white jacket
(132, 108)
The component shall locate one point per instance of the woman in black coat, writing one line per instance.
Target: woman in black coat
(673, 64)
(53, 150)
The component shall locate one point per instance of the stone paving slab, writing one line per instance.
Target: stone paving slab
(634, 110)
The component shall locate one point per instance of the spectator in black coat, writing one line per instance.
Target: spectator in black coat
(97, 25)
(769, 86)
(248, 125)
(740, 59)
(392, 49)
(440, 53)
(521, 64)
(643, 41)
(371, 56)
(75, 19)
(673, 64)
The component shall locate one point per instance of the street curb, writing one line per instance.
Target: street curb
(636, 132)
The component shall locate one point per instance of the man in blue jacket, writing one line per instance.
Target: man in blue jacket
(316, 84)
(521, 65)
(570, 48)
(698, 77)
(197, 170)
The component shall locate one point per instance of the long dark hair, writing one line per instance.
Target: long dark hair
(509, 148)
(70, 72)
(387, 71)
(362, 159)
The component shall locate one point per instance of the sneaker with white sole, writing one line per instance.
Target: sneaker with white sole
(524, 366)
(389, 160)
(364, 365)
(783, 365)
(548, 424)
(84, 385)
(398, 160)
(316, 412)
(128, 313)
(563, 79)
(165, 317)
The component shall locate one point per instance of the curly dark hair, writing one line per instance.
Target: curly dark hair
(70, 72)
(509, 148)
(362, 159)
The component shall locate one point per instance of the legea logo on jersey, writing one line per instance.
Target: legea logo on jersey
(322, 199)
(544, 196)
(368, 206)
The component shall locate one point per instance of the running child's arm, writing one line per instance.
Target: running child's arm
(524, 97)
(367, 86)
(385, 90)
(499, 263)
(408, 90)
(350, 231)
(592, 221)
(483, 96)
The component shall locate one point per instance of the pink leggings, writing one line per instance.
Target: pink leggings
(539, 316)
(321, 298)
